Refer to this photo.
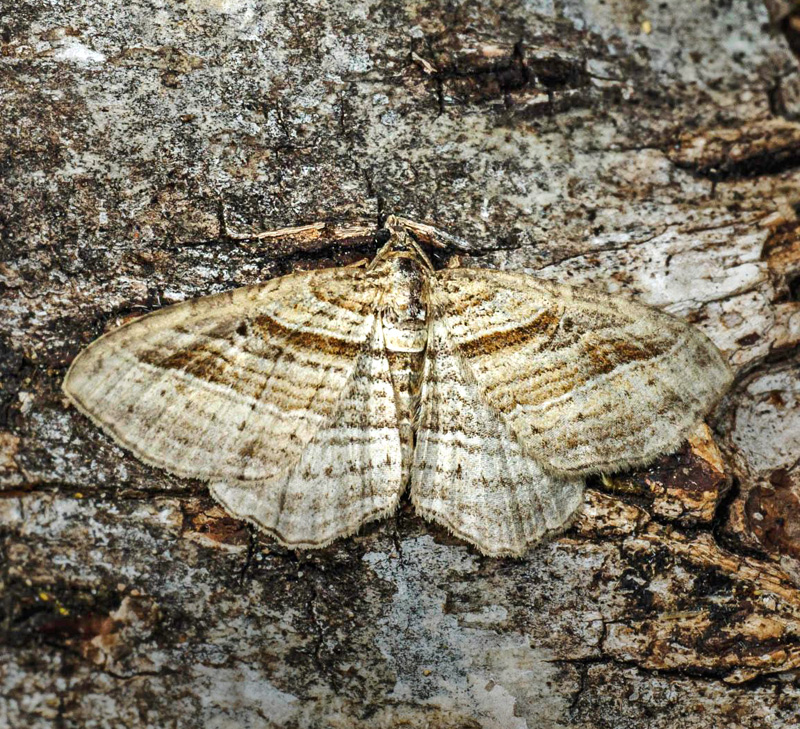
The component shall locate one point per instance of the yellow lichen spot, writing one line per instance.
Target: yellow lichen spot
(62, 610)
(426, 672)
(78, 495)
(647, 27)
(43, 596)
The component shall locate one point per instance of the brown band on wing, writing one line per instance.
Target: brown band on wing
(607, 356)
(199, 361)
(206, 362)
(540, 325)
(361, 300)
(305, 340)
(598, 359)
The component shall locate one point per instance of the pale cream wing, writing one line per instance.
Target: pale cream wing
(350, 472)
(233, 386)
(588, 382)
(470, 473)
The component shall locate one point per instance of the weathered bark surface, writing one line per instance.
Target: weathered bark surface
(652, 148)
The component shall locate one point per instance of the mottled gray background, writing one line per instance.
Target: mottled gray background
(643, 147)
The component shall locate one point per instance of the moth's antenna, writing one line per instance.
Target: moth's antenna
(305, 238)
(431, 236)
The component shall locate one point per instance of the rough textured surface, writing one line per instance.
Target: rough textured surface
(650, 148)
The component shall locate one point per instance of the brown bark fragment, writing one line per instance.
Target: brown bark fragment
(685, 486)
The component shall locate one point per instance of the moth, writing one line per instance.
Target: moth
(312, 402)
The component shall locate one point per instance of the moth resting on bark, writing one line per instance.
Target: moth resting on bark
(311, 402)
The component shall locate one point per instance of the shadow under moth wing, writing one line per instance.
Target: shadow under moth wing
(310, 402)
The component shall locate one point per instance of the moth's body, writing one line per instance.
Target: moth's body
(311, 402)
(404, 274)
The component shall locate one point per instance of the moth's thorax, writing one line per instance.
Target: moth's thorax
(404, 306)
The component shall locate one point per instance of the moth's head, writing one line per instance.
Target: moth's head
(402, 244)
(400, 236)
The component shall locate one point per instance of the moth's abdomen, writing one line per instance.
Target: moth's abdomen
(404, 318)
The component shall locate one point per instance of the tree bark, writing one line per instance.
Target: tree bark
(650, 149)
